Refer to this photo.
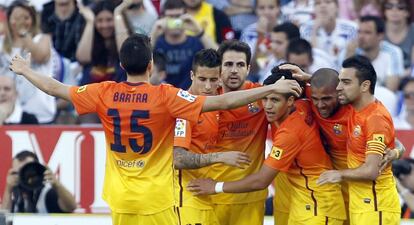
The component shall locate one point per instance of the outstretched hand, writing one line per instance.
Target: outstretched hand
(387, 158)
(329, 177)
(283, 86)
(202, 186)
(297, 72)
(235, 158)
(86, 12)
(20, 65)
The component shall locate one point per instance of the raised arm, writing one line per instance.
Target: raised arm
(184, 159)
(121, 29)
(192, 25)
(236, 99)
(84, 50)
(47, 84)
(66, 200)
(40, 49)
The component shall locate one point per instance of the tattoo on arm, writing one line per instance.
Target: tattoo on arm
(184, 159)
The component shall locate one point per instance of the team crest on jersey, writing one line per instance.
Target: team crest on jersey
(253, 107)
(337, 129)
(276, 153)
(82, 89)
(357, 130)
(180, 127)
(186, 95)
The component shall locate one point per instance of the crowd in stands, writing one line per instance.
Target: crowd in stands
(77, 42)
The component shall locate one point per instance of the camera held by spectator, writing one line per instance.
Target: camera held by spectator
(32, 187)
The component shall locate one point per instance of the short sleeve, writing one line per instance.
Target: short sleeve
(182, 104)
(284, 151)
(85, 98)
(182, 133)
(379, 134)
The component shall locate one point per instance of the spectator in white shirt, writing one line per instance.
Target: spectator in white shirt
(298, 11)
(326, 31)
(280, 37)
(301, 53)
(386, 58)
(257, 35)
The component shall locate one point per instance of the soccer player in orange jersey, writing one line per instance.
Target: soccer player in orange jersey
(243, 129)
(298, 151)
(138, 121)
(200, 138)
(372, 192)
(333, 120)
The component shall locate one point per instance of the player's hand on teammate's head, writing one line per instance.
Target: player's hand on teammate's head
(19, 64)
(329, 177)
(235, 158)
(297, 72)
(283, 86)
(202, 186)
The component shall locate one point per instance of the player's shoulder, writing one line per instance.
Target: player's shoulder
(303, 106)
(377, 113)
(303, 115)
(250, 85)
(94, 87)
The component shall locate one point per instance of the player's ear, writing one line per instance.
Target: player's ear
(150, 67)
(365, 86)
(192, 75)
(291, 101)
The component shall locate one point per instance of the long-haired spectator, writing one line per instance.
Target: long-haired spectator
(22, 37)
(97, 49)
(398, 28)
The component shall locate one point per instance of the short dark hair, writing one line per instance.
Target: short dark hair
(237, 46)
(136, 54)
(256, 1)
(299, 46)
(291, 30)
(206, 57)
(173, 4)
(325, 77)
(378, 21)
(24, 154)
(160, 60)
(364, 70)
(404, 82)
(277, 74)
